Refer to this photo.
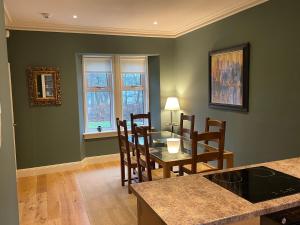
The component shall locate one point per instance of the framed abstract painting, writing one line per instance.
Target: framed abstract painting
(229, 78)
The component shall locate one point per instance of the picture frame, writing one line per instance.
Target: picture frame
(229, 78)
(43, 86)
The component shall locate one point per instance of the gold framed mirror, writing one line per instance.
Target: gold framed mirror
(43, 86)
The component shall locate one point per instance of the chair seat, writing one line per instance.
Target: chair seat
(133, 161)
(157, 174)
(201, 168)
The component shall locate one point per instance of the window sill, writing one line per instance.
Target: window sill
(103, 134)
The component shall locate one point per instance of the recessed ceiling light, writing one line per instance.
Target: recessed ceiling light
(75, 16)
(155, 22)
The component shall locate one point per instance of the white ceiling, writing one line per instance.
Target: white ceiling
(121, 17)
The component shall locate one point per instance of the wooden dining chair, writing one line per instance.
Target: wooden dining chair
(212, 124)
(126, 158)
(147, 116)
(186, 131)
(146, 171)
(199, 160)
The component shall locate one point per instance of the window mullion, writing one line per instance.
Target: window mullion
(146, 87)
(133, 88)
(85, 113)
(118, 88)
(96, 89)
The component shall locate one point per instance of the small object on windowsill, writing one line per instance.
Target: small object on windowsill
(99, 129)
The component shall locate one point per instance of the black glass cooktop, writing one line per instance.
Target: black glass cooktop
(257, 184)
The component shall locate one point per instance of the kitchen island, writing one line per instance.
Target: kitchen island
(191, 200)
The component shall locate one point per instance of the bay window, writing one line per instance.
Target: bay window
(114, 86)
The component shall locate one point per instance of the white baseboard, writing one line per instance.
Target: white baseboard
(35, 171)
(101, 159)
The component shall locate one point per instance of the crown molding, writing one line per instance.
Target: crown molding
(218, 16)
(85, 30)
(8, 18)
(231, 10)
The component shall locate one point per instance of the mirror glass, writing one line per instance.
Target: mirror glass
(44, 86)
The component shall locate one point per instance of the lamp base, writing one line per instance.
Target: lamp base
(172, 125)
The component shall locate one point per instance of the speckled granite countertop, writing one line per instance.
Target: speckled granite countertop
(194, 200)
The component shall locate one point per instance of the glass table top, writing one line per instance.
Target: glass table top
(168, 146)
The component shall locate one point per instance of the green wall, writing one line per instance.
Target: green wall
(51, 135)
(8, 191)
(270, 130)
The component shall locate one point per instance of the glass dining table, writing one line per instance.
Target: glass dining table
(164, 150)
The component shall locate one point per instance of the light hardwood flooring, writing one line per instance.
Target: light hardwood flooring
(89, 196)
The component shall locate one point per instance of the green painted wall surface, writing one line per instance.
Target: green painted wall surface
(50, 135)
(9, 214)
(270, 130)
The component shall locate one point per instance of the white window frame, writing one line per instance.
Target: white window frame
(117, 93)
(86, 89)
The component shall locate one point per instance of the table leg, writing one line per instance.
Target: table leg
(166, 171)
(229, 161)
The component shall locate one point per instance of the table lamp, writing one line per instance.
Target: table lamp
(172, 104)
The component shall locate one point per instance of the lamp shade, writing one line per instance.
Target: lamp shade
(172, 104)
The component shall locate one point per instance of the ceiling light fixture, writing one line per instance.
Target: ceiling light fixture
(155, 22)
(75, 16)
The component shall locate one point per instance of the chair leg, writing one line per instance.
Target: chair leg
(122, 170)
(129, 179)
(153, 164)
(180, 170)
(140, 174)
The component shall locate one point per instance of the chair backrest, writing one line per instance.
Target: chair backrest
(187, 131)
(213, 123)
(212, 153)
(123, 138)
(142, 152)
(135, 117)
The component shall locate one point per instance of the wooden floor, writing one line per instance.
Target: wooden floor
(90, 196)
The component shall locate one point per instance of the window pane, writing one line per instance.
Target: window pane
(98, 79)
(132, 79)
(133, 102)
(99, 110)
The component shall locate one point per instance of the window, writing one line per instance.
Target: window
(114, 86)
(134, 96)
(98, 86)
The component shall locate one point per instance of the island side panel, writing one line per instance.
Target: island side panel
(253, 221)
(146, 215)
